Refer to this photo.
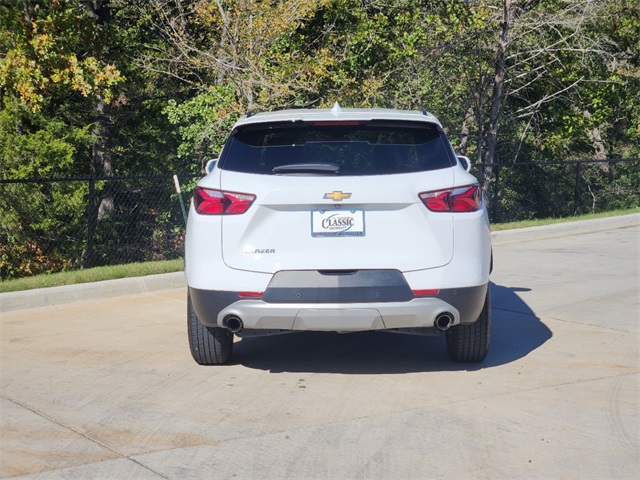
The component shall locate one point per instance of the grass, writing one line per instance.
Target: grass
(151, 268)
(91, 275)
(549, 221)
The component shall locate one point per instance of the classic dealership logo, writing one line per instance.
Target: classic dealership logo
(336, 222)
(337, 196)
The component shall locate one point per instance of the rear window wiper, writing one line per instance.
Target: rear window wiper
(326, 168)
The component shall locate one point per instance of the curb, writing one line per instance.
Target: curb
(566, 228)
(43, 297)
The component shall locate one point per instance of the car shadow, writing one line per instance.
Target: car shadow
(516, 331)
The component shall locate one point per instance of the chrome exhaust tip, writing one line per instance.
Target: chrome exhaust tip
(233, 324)
(443, 321)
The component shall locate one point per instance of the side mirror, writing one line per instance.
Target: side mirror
(211, 164)
(465, 162)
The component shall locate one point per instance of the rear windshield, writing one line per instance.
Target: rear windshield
(350, 148)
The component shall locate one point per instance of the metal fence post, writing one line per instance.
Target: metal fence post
(638, 182)
(88, 260)
(576, 194)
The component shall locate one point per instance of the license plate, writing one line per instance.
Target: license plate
(337, 223)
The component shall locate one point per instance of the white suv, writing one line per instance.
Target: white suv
(340, 220)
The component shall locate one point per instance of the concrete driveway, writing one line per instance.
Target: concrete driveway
(106, 388)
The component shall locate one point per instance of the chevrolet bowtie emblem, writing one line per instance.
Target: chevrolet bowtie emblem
(336, 196)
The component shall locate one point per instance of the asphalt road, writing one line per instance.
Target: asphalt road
(106, 388)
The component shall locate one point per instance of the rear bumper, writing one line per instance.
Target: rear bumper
(213, 308)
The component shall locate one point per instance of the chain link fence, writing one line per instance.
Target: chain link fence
(558, 189)
(51, 225)
(56, 224)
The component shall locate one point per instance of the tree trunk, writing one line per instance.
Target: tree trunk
(27, 16)
(102, 202)
(497, 95)
(464, 132)
(102, 161)
(600, 150)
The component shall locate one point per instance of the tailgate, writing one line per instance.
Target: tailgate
(299, 223)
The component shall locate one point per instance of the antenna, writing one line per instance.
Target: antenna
(336, 110)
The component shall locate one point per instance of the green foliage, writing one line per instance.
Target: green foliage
(41, 227)
(33, 145)
(50, 52)
(203, 123)
(122, 87)
(60, 62)
(19, 258)
(564, 190)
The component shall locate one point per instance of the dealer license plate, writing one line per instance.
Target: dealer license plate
(337, 223)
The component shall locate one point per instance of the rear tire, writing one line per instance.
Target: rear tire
(470, 343)
(209, 345)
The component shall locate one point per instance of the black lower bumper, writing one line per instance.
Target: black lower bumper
(374, 287)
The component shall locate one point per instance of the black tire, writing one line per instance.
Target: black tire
(470, 343)
(209, 345)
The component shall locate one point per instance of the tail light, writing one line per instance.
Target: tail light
(250, 294)
(460, 199)
(209, 201)
(425, 293)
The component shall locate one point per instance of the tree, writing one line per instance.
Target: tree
(73, 104)
(108, 87)
(232, 57)
(503, 66)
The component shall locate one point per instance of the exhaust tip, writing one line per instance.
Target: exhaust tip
(443, 321)
(233, 324)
